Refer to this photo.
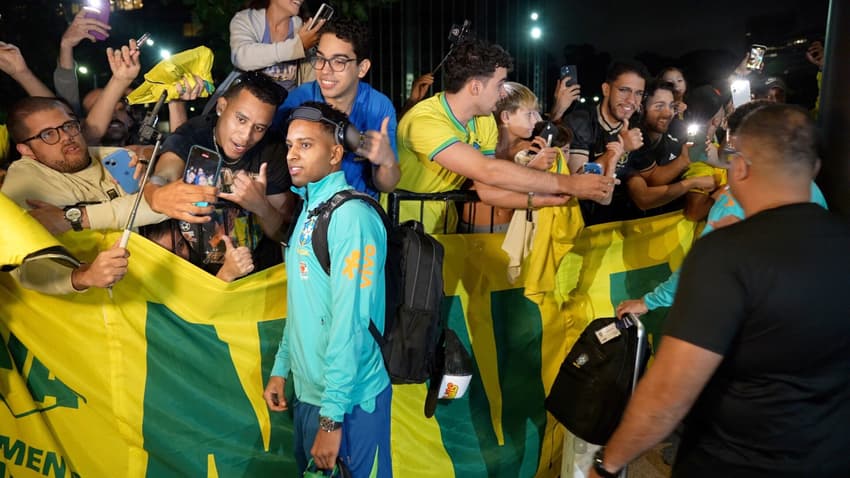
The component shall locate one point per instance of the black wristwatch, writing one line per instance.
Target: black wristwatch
(74, 215)
(327, 424)
(598, 458)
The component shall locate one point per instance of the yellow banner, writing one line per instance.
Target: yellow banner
(165, 378)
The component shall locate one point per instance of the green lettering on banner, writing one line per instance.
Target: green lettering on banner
(633, 284)
(34, 458)
(194, 404)
(17, 450)
(466, 424)
(57, 465)
(39, 382)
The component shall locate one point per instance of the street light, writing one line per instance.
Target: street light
(84, 70)
(165, 54)
(149, 42)
(534, 16)
(536, 33)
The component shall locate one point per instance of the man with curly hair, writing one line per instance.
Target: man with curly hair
(451, 137)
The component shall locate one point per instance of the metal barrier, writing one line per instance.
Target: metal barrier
(456, 197)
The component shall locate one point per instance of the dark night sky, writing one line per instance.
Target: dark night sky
(672, 27)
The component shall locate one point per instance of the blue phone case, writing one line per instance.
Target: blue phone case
(118, 165)
(592, 168)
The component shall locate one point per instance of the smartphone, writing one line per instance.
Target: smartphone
(118, 165)
(325, 13)
(591, 168)
(202, 168)
(99, 10)
(570, 70)
(549, 132)
(740, 92)
(755, 61)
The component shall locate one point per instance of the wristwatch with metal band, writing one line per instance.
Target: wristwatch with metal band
(327, 424)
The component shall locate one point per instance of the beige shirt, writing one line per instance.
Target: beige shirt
(29, 179)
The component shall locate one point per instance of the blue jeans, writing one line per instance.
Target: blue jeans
(365, 437)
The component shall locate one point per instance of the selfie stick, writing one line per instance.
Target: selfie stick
(125, 238)
(463, 29)
(147, 130)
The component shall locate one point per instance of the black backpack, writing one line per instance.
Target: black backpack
(413, 327)
(595, 382)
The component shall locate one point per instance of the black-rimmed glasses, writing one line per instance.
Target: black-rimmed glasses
(338, 63)
(51, 135)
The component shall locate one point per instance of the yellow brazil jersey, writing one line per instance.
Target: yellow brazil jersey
(423, 132)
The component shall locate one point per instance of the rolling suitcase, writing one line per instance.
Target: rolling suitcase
(598, 377)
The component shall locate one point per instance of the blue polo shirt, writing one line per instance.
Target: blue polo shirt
(368, 112)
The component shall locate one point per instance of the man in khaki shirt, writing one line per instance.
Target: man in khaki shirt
(65, 186)
(58, 172)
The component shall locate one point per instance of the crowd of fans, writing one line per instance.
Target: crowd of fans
(653, 144)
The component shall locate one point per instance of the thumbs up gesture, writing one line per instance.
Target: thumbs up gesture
(237, 261)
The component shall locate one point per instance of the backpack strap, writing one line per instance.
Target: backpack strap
(320, 235)
(324, 210)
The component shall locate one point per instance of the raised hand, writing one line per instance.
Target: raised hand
(237, 261)
(375, 146)
(79, 30)
(124, 62)
(248, 192)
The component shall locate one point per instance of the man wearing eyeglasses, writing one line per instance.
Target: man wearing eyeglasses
(64, 183)
(341, 61)
(601, 133)
(58, 169)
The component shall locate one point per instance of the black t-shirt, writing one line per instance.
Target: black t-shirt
(769, 295)
(660, 153)
(229, 218)
(591, 134)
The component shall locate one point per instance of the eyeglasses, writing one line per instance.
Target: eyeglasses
(626, 91)
(338, 63)
(52, 136)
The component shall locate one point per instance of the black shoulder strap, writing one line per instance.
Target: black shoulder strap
(320, 235)
(324, 211)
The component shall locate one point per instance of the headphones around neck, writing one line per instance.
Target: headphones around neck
(344, 132)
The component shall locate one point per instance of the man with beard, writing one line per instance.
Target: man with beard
(651, 174)
(601, 134)
(58, 170)
(65, 186)
(256, 199)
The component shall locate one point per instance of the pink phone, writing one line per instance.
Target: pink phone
(99, 10)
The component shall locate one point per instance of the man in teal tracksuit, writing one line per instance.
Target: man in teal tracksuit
(342, 390)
